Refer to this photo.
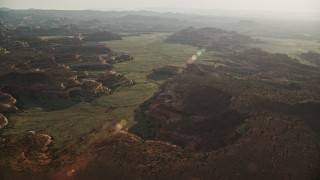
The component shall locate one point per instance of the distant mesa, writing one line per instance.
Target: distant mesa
(210, 38)
(268, 66)
(311, 56)
(33, 32)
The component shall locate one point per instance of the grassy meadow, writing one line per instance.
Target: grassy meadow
(86, 122)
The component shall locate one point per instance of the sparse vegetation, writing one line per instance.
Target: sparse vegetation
(139, 95)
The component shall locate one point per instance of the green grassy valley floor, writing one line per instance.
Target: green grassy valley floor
(78, 126)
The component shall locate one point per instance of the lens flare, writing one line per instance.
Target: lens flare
(194, 57)
(121, 125)
(190, 61)
(123, 122)
(118, 127)
(70, 173)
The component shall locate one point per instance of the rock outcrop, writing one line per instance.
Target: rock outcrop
(3, 121)
(113, 58)
(112, 80)
(91, 89)
(25, 152)
(7, 105)
(59, 68)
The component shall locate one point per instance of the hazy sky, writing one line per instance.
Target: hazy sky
(264, 5)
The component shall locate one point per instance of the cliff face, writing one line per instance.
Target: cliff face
(7, 105)
(59, 68)
(3, 121)
(25, 152)
(199, 119)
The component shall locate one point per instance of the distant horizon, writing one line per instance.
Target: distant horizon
(166, 9)
(298, 6)
(274, 15)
